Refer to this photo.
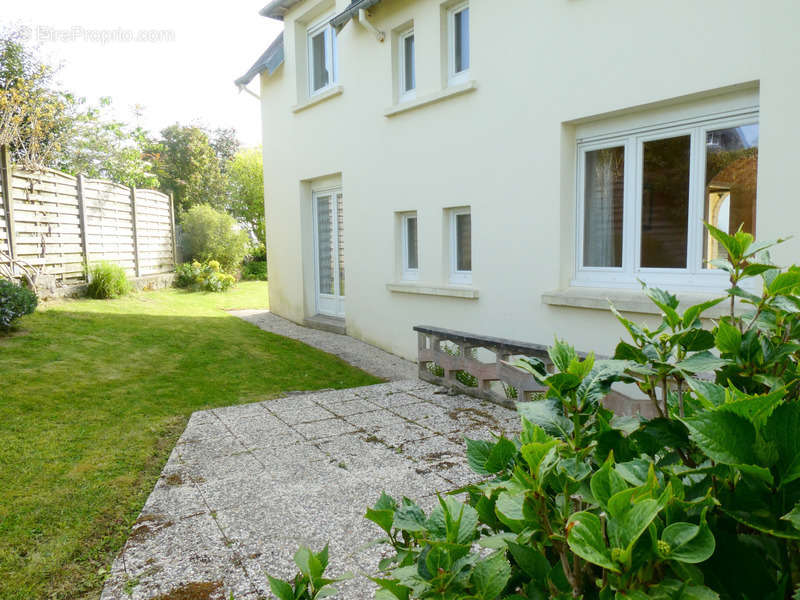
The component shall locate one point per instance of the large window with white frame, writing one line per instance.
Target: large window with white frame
(406, 68)
(643, 196)
(458, 43)
(460, 246)
(410, 246)
(322, 57)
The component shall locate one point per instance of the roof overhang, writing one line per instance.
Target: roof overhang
(269, 62)
(277, 9)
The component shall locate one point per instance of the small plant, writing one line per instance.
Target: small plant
(107, 280)
(15, 301)
(309, 583)
(510, 391)
(203, 276)
(255, 270)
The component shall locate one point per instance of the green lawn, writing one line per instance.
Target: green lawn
(93, 396)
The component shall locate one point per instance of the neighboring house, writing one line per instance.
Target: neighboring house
(505, 168)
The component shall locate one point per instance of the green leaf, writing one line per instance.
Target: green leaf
(793, 516)
(308, 563)
(500, 455)
(509, 510)
(548, 415)
(724, 436)
(409, 517)
(782, 429)
(477, 454)
(562, 354)
(785, 283)
(756, 409)
(636, 520)
(702, 362)
(585, 538)
(438, 558)
(280, 588)
(727, 241)
(696, 340)
(728, 338)
(393, 587)
(490, 576)
(606, 482)
(534, 454)
(694, 312)
(713, 394)
(533, 563)
(688, 543)
(382, 513)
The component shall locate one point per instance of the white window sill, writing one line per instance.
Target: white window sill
(332, 91)
(633, 301)
(449, 92)
(453, 291)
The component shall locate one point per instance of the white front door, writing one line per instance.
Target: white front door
(329, 251)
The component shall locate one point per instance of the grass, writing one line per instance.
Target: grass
(93, 396)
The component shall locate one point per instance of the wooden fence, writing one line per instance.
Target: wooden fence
(59, 223)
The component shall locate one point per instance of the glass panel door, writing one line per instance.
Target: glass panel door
(329, 252)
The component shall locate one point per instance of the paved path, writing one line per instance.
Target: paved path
(245, 485)
(360, 354)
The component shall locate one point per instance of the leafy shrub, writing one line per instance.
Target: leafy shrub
(255, 270)
(209, 234)
(701, 502)
(107, 280)
(203, 276)
(15, 301)
(309, 583)
(258, 252)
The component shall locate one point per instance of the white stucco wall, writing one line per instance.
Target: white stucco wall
(506, 149)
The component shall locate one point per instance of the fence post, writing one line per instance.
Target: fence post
(82, 219)
(135, 233)
(6, 174)
(172, 232)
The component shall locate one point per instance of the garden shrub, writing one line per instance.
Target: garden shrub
(701, 502)
(209, 234)
(107, 280)
(15, 301)
(255, 270)
(203, 276)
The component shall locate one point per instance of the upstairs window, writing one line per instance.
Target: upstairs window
(645, 194)
(458, 34)
(322, 61)
(407, 70)
(410, 247)
(460, 246)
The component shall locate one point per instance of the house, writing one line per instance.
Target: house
(507, 168)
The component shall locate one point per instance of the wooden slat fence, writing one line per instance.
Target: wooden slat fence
(60, 223)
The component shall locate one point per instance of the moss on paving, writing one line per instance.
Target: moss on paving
(93, 396)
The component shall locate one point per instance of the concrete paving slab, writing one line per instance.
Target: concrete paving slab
(244, 487)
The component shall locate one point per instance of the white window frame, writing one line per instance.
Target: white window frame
(458, 277)
(408, 274)
(331, 55)
(695, 276)
(453, 77)
(402, 93)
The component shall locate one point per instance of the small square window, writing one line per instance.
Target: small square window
(460, 246)
(407, 68)
(410, 247)
(458, 43)
(322, 60)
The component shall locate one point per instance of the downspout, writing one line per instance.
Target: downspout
(364, 21)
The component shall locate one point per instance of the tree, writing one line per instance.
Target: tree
(209, 234)
(187, 166)
(100, 146)
(35, 118)
(246, 191)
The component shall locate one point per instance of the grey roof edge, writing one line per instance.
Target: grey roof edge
(277, 9)
(348, 13)
(269, 61)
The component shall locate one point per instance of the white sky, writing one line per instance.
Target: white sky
(188, 78)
